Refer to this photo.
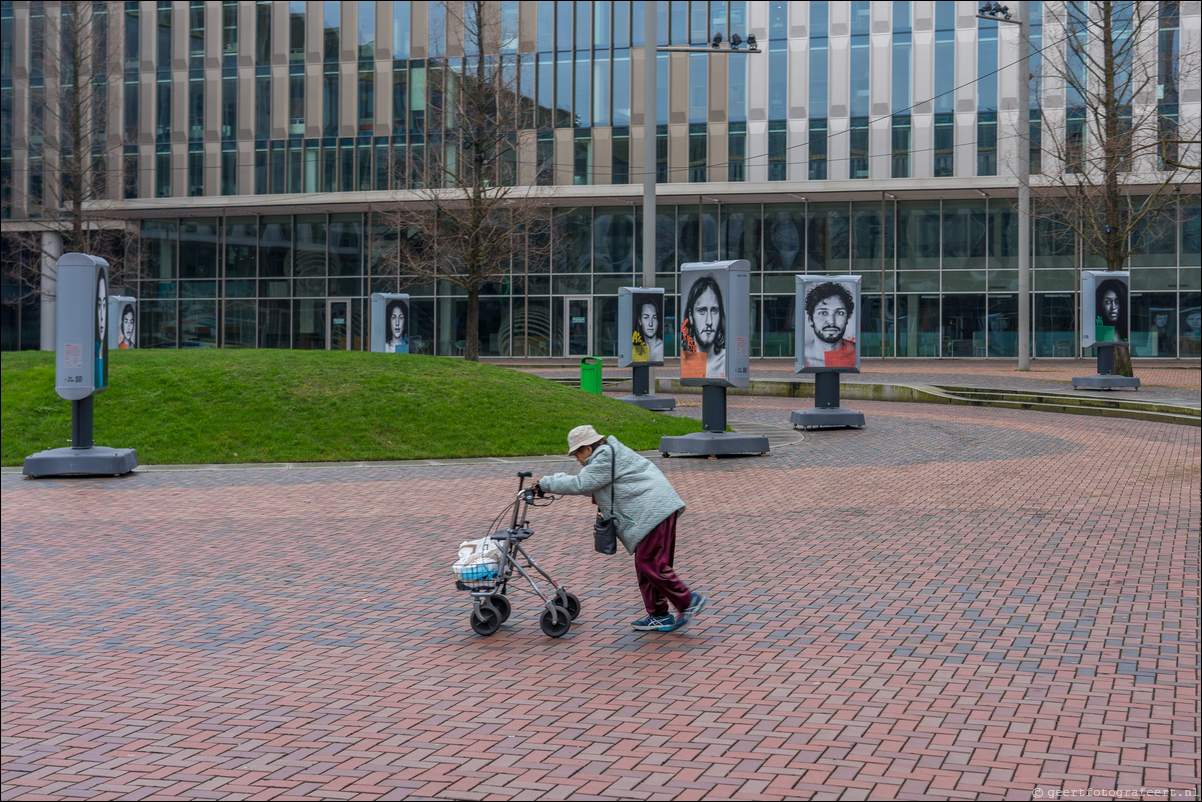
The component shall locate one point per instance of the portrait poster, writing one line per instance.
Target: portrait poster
(827, 323)
(123, 317)
(82, 326)
(390, 322)
(641, 321)
(714, 323)
(1105, 307)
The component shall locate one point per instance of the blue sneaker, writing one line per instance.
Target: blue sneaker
(697, 603)
(655, 623)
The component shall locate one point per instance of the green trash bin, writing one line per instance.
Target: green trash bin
(590, 375)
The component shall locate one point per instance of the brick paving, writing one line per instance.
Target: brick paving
(952, 603)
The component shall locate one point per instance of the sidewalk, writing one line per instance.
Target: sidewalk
(953, 602)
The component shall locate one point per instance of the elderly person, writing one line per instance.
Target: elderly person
(645, 508)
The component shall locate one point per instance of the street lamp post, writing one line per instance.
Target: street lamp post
(999, 13)
(650, 12)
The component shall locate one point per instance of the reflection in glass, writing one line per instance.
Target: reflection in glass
(1154, 324)
(238, 326)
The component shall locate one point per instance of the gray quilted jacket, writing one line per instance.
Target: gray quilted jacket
(645, 496)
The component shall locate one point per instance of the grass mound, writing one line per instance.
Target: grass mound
(217, 405)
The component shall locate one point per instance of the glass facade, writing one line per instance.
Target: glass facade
(317, 98)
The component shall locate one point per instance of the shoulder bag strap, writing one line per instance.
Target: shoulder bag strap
(613, 488)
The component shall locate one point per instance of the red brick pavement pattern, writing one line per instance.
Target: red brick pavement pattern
(953, 603)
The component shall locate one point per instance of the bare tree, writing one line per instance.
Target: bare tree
(465, 219)
(76, 172)
(1110, 153)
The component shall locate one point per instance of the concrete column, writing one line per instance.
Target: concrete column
(52, 249)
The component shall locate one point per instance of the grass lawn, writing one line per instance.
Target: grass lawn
(224, 405)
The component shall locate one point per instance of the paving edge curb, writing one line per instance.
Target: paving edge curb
(1157, 412)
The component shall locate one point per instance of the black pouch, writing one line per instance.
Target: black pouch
(605, 530)
(605, 536)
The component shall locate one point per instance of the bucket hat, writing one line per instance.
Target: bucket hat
(582, 436)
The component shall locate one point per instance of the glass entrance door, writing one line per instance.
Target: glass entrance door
(578, 326)
(338, 326)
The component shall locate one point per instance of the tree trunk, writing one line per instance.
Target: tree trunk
(1122, 361)
(471, 348)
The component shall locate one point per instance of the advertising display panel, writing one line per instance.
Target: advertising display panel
(390, 322)
(81, 362)
(827, 323)
(715, 327)
(123, 313)
(640, 326)
(1105, 307)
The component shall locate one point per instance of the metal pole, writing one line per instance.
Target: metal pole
(1024, 186)
(649, 139)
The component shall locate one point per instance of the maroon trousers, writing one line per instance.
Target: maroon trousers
(653, 564)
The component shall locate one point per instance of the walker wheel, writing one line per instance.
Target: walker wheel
(486, 620)
(664, 454)
(569, 602)
(558, 626)
(501, 603)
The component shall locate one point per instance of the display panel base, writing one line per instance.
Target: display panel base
(811, 418)
(1107, 381)
(655, 403)
(714, 444)
(94, 461)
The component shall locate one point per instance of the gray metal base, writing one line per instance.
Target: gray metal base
(714, 444)
(94, 461)
(1106, 381)
(836, 416)
(656, 403)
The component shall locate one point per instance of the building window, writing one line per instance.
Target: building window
(263, 33)
(163, 53)
(818, 149)
(229, 32)
(621, 87)
(367, 100)
(778, 78)
(263, 107)
(162, 126)
(130, 172)
(582, 157)
(1036, 142)
(858, 165)
(229, 169)
(661, 154)
(698, 87)
(196, 33)
(545, 156)
(944, 145)
(400, 29)
(329, 104)
(987, 143)
(818, 61)
(196, 105)
(162, 171)
(229, 103)
(900, 136)
(601, 93)
(367, 31)
(330, 22)
(736, 152)
(620, 170)
(296, 31)
(945, 55)
(697, 151)
(196, 170)
(778, 155)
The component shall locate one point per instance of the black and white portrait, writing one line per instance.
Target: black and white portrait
(1111, 310)
(102, 308)
(396, 327)
(703, 327)
(127, 331)
(830, 324)
(647, 337)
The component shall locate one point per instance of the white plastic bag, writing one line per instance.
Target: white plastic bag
(478, 560)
